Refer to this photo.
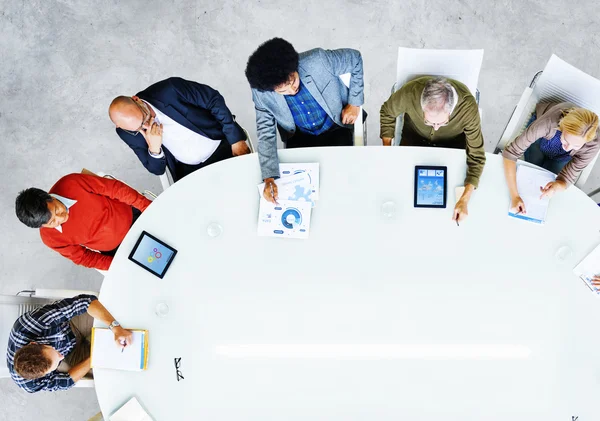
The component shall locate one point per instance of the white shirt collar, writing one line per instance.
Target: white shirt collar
(67, 202)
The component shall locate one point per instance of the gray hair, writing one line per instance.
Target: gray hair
(437, 95)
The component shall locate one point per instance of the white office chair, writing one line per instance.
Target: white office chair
(461, 65)
(558, 82)
(14, 306)
(360, 126)
(166, 179)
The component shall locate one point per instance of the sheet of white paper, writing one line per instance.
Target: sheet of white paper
(295, 187)
(312, 169)
(588, 268)
(529, 181)
(106, 354)
(287, 219)
(131, 411)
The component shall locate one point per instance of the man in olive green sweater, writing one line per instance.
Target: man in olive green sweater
(438, 112)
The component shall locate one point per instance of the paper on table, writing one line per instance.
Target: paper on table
(131, 411)
(295, 187)
(106, 354)
(589, 267)
(529, 181)
(312, 169)
(287, 219)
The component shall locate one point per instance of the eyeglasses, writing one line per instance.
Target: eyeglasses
(145, 117)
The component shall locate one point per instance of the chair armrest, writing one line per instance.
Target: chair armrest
(61, 293)
(359, 139)
(513, 121)
(85, 382)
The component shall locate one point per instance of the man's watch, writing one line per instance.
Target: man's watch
(113, 325)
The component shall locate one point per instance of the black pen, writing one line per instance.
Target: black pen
(457, 223)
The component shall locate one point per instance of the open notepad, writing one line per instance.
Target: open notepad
(106, 353)
(588, 268)
(529, 181)
(131, 411)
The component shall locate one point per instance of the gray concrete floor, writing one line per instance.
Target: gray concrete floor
(63, 61)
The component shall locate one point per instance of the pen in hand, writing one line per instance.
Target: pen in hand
(124, 344)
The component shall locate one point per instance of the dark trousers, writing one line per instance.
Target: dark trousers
(222, 152)
(336, 136)
(411, 138)
(136, 214)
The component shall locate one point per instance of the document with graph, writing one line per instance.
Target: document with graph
(529, 181)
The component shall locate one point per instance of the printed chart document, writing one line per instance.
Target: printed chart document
(529, 181)
(296, 187)
(311, 169)
(289, 219)
(106, 354)
(131, 411)
(589, 267)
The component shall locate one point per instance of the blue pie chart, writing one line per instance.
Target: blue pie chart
(291, 217)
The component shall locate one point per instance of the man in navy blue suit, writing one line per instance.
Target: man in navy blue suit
(179, 124)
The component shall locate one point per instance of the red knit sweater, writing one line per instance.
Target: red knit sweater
(99, 220)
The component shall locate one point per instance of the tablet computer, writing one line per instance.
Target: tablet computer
(430, 186)
(152, 254)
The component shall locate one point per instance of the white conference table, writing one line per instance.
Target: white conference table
(411, 318)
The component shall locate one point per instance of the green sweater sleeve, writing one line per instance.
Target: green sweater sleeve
(475, 145)
(390, 110)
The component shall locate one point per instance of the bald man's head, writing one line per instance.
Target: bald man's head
(127, 114)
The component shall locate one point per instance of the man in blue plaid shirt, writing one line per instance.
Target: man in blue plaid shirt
(302, 96)
(47, 347)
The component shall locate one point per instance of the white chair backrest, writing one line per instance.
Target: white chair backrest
(11, 308)
(559, 82)
(461, 65)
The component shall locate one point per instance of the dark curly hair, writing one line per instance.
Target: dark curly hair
(271, 64)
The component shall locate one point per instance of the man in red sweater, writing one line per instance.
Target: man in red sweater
(81, 214)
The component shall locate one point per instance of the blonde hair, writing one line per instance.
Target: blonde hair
(579, 122)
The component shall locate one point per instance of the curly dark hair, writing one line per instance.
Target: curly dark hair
(271, 64)
(31, 362)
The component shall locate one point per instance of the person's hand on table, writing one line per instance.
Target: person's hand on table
(387, 141)
(153, 136)
(270, 191)
(240, 148)
(552, 187)
(461, 210)
(517, 205)
(123, 337)
(350, 114)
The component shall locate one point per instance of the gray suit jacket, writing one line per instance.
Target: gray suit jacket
(319, 70)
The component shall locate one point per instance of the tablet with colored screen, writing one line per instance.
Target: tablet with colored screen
(430, 186)
(152, 254)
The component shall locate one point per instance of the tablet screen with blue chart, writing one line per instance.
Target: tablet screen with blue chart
(430, 187)
(152, 254)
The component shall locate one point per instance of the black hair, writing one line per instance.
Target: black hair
(31, 206)
(271, 64)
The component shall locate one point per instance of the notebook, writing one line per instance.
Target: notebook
(131, 411)
(529, 181)
(106, 354)
(589, 267)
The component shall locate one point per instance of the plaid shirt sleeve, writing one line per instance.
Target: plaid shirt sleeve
(56, 313)
(50, 383)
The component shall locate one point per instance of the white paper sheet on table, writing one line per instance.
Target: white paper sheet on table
(311, 168)
(296, 187)
(106, 354)
(588, 268)
(287, 219)
(131, 411)
(529, 181)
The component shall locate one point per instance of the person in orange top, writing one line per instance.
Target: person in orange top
(83, 217)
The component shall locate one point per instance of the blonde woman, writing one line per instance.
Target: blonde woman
(562, 138)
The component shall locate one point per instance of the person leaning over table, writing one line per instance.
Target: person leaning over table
(80, 214)
(178, 124)
(302, 96)
(438, 112)
(562, 139)
(48, 348)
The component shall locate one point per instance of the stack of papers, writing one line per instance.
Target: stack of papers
(588, 268)
(131, 411)
(529, 181)
(297, 190)
(106, 353)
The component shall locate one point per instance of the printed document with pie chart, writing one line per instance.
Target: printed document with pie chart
(288, 218)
